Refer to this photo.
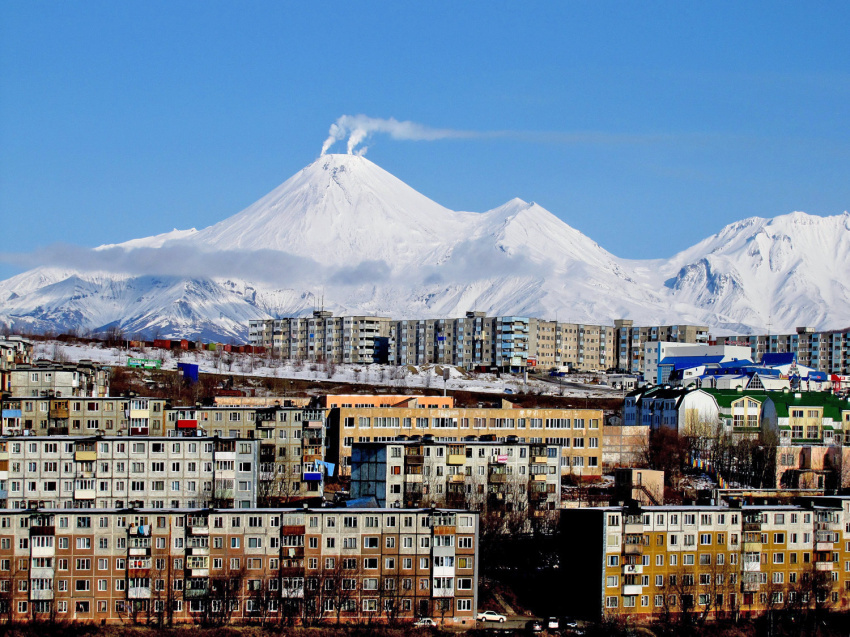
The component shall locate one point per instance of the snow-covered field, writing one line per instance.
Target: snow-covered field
(406, 377)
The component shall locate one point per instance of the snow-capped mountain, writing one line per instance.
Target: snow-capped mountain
(348, 232)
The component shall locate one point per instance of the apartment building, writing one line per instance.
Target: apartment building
(66, 380)
(475, 341)
(55, 415)
(577, 431)
(324, 337)
(236, 565)
(467, 342)
(388, 400)
(291, 443)
(110, 472)
(827, 351)
(631, 341)
(587, 347)
(14, 350)
(645, 562)
(470, 474)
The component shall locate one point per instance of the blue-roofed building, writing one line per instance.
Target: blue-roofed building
(661, 359)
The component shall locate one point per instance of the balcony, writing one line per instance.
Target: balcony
(752, 547)
(195, 593)
(632, 528)
(84, 494)
(539, 460)
(824, 546)
(41, 595)
(138, 593)
(414, 459)
(632, 549)
(85, 456)
(498, 478)
(752, 567)
(823, 566)
(632, 569)
(456, 459)
(632, 589)
(458, 477)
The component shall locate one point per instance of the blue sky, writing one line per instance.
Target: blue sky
(647, 126)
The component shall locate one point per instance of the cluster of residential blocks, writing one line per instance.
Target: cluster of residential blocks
(475, 341)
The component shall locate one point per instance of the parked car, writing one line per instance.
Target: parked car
(569, 622)
(490, 616)
(425, 622)
(534, 626)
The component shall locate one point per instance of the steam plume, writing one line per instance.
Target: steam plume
(357, 128)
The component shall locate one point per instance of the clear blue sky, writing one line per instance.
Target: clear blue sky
(647, 126)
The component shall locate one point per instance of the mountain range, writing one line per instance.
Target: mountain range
(347, 235)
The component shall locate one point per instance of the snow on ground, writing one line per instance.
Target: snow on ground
(404, 377)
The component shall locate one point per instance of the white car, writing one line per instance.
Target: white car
(490, 616)
(425, 622)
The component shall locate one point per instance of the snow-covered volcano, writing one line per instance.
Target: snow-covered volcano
(346, 230)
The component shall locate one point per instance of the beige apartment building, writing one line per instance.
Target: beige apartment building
(282, 566)
(66, 380)
(68, 415)
(324, 337)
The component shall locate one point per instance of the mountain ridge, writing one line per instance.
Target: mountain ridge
(345, 230)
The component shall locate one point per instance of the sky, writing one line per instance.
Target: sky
(647, 126)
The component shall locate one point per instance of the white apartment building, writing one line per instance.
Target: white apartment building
(111, 472)
(469, 474)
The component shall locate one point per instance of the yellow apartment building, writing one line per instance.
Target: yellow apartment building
(577, 431)
(646, 562)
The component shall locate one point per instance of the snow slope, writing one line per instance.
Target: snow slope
(345, 232)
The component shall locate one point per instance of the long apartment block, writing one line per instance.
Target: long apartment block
(826, 351)
(577, 431)
(46, 378)
(192, 565)
(651, 561)
(473, 475)
(108, 472)
(324, 337)
(56, 415)
(474, 341)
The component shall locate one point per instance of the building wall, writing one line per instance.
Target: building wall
(111, 472)
(827, 351)
(624, 446)
(116, 567)
(577, 431)
(471, 475)
(744, 555)
(292, 440)
(75, 415)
